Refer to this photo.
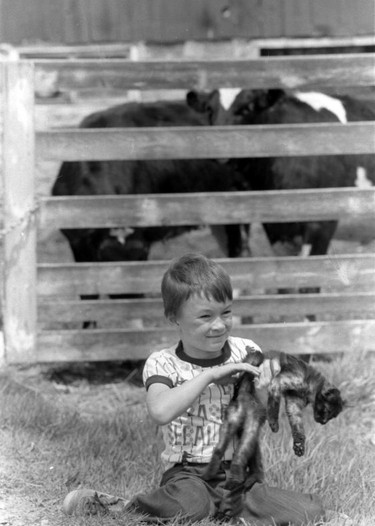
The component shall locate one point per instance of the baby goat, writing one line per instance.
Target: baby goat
(300, 384)
(243, 417)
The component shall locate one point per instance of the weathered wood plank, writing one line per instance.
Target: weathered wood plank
(295, 72)
(273, 24)
(331, 272)
(204, 142)
(97, 345)
(19, 260)
(116, 313)
(207, 208)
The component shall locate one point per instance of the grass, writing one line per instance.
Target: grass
(56, 438)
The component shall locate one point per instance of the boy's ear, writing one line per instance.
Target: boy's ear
(172, 320)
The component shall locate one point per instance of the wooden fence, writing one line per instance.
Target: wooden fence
(36, 294)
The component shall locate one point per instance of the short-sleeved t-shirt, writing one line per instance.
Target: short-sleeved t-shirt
(193, 435)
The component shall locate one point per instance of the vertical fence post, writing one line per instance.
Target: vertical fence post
(19, 262)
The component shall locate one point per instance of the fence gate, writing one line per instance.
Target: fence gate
(35, 294)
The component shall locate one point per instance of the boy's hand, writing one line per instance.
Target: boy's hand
(227, 374)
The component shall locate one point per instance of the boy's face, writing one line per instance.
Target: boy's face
(204, 326)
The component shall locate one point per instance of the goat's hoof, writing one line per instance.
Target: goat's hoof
(274, 426)
(299, 448)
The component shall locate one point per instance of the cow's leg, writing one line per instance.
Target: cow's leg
(316, 240)
(318, 236)
(89, 324)
(228, 238)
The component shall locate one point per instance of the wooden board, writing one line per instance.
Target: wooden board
(296, 72)
(118, 313)
(205, 142)
(332, 272)
(277, 206)
(98, 345)
(18, 272)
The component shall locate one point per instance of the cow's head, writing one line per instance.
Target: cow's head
(208, 103)
(233, 106)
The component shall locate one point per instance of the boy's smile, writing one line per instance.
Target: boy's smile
(204, 326)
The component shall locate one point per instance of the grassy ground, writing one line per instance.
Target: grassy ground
(56, 437)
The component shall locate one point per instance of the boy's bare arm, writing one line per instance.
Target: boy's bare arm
(165, 404)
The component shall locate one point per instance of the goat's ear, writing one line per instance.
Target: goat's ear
(254, 357)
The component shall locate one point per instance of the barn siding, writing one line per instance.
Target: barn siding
(87, 21)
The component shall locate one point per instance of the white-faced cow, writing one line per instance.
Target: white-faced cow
(276, 106)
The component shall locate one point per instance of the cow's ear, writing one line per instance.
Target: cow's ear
(199, 100)
(273, 95)
(214, 99)
(193, 100)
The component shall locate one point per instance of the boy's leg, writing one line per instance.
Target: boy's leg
(181, 493)
(269, 506)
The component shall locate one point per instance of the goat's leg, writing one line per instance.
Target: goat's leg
(294, 407)
(273, 404)
(227, 430)
(255, 465)
(245, 449)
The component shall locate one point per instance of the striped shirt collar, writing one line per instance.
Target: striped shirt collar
(204, 362)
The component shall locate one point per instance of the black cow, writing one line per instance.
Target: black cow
(142, 177)
(282, 173)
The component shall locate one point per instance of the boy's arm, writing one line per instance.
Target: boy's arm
(165, 403)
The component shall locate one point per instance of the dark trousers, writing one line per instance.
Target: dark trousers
(184, 493)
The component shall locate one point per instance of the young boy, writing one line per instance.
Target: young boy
(188, 387)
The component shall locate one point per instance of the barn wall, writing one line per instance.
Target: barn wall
(88, 21)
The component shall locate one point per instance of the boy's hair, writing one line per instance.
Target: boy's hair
(193, 274)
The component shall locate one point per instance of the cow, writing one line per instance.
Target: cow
(116, 177)
(277, 106)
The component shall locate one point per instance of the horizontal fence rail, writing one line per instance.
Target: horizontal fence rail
(296, 72)
(207, 208)
(133, 277)
(125, 344)
(206, 142)
(118, 313)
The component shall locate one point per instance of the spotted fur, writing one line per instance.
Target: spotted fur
(300, 385)
(243, 418)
